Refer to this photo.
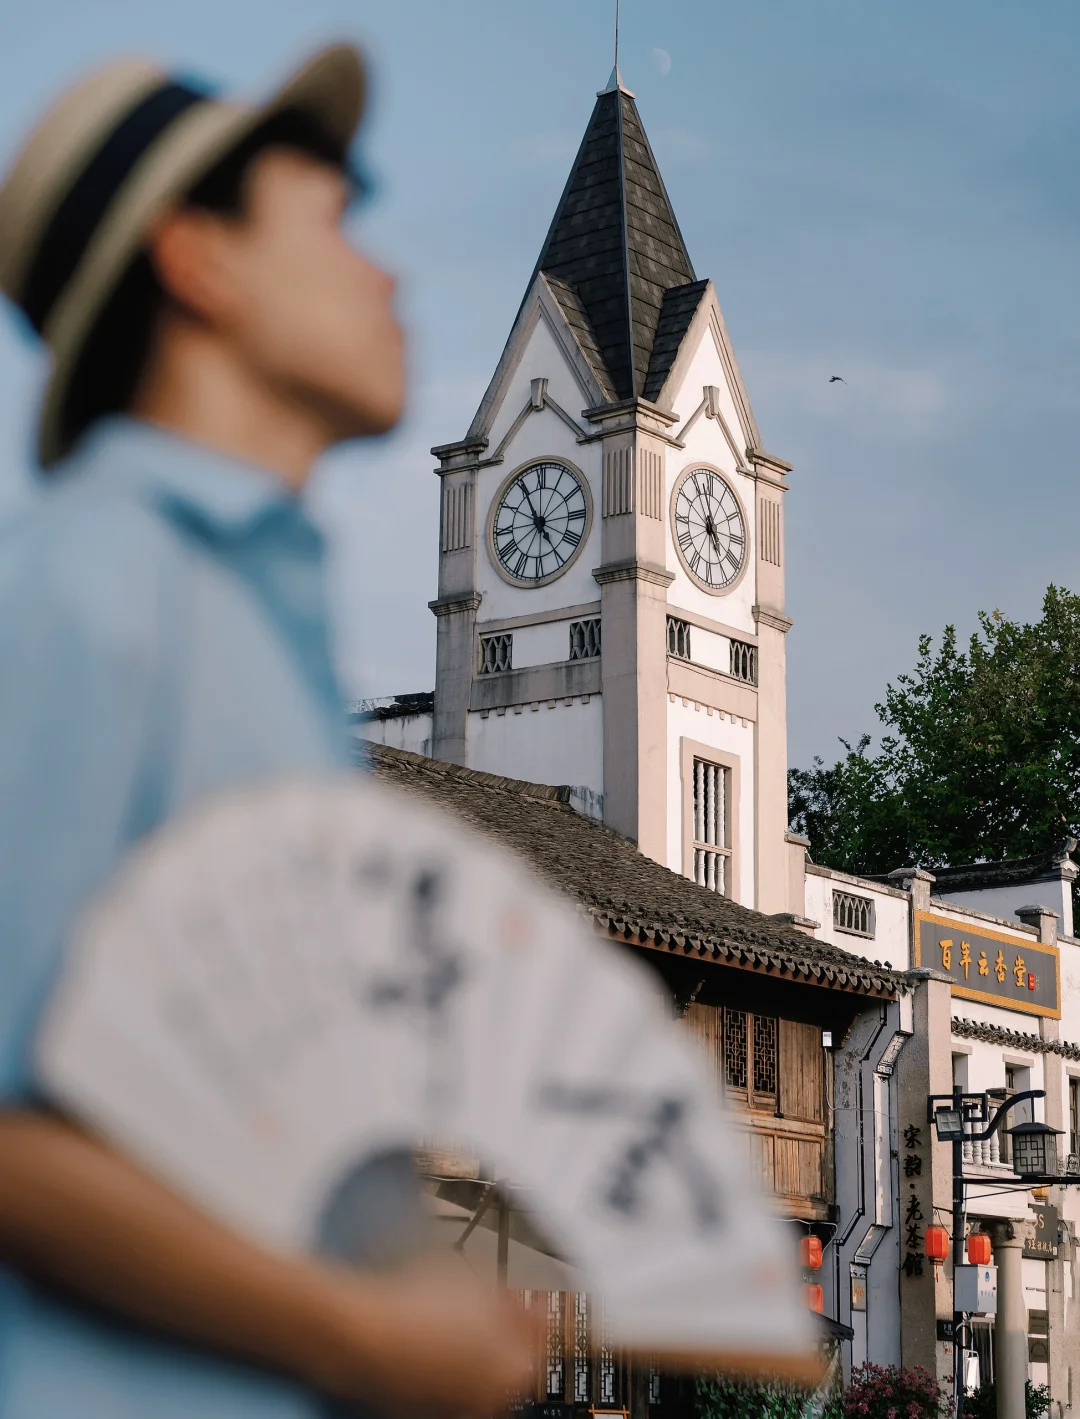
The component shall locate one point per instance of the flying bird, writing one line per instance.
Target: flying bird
(837, 379)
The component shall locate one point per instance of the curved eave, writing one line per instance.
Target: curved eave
(826, 975)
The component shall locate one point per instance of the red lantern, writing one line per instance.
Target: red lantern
(815, 1298)
(978, 1249)
(810, 1252)
(936, 1241)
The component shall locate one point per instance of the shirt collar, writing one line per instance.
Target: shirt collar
(226, 493)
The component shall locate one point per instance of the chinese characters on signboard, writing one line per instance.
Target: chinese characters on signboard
(988, 965)
(1044, 1244)
(914, 1220)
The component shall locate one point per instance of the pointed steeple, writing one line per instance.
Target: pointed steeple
(614, 256)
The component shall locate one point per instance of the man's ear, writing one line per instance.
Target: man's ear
(189, 251)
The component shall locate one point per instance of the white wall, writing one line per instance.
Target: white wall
(718, 731)
(541, 645)
(1003, 901)
(543, 435)
(560, 745)
(412, 732)
(891, 940)
(706, 444)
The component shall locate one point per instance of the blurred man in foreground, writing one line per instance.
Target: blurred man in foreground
(162, 636)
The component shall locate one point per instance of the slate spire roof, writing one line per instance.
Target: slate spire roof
(615, 258)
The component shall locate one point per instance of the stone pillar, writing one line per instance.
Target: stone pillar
(772, 890)
(924, 1067)
(458, 599)
(633, 580)
(1010, 1328)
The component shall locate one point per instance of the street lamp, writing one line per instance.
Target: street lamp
(1034, 1150)
(957, 1118)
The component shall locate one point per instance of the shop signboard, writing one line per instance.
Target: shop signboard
(1043, 1246)
(1013, 971)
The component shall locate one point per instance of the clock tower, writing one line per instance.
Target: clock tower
(611, 561)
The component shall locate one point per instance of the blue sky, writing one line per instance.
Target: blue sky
(886, 191)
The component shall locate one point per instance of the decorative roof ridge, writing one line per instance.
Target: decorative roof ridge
(1016, 1039)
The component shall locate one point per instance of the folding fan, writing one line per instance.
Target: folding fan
(298, 977)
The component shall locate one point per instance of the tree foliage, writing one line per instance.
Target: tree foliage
(981, 1403)
(980, 760)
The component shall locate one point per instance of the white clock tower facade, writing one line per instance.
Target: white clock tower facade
(611, 566)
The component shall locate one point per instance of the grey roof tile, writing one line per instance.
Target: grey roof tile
(615, 243)
(626, 894)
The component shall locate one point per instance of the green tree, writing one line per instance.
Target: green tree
(980, 758)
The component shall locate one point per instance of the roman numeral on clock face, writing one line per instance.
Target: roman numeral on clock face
(539, 523)
(708, 526)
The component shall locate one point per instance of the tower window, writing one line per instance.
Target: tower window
(853, 914)
(712, 827)
(585, 639)
(496, 654)
(678, 638)
(744, 662)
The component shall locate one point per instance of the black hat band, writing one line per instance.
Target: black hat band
(78, 216)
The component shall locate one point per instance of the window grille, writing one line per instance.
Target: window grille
(581, 1347)
(678, 638)
(712, 838)
(853, 914)
(735, 1053)
(556, 1371)
(654, 1385)
(608, 1372)
(496, 653)
(585, 639)
(766, 1030)
(744, 662)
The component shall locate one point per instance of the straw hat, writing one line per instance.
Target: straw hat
(99, 167)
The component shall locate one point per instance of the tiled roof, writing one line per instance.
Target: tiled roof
(615, 244)
(627, 894)
(1012, 1039)
(679, 306)
(1012, 872)
(393, 707)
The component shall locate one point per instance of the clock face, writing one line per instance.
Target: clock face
(539, 522)
(709, 530)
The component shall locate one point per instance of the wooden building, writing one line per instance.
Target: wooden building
(764, 999)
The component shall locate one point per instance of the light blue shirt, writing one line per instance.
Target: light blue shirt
(162, 635)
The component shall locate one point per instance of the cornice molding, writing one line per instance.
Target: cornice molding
(776, 619)
(453, 605)
(633, 571)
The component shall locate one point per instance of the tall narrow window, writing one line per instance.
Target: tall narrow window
(766, 1029)
(712, 828)
(736, 1054)
(1074, 1116)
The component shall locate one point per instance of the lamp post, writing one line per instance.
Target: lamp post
(955, 1117)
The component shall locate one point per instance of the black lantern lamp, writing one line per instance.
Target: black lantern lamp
(949, 1125)
(1034, 1147)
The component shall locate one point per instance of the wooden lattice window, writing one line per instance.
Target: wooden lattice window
(752, 1058)
(556, 1361)
(581, 1347)
(678, 638)
(712, 826)
(496, 654)
(744, 662)
(766, 1030)
(736, 1051)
